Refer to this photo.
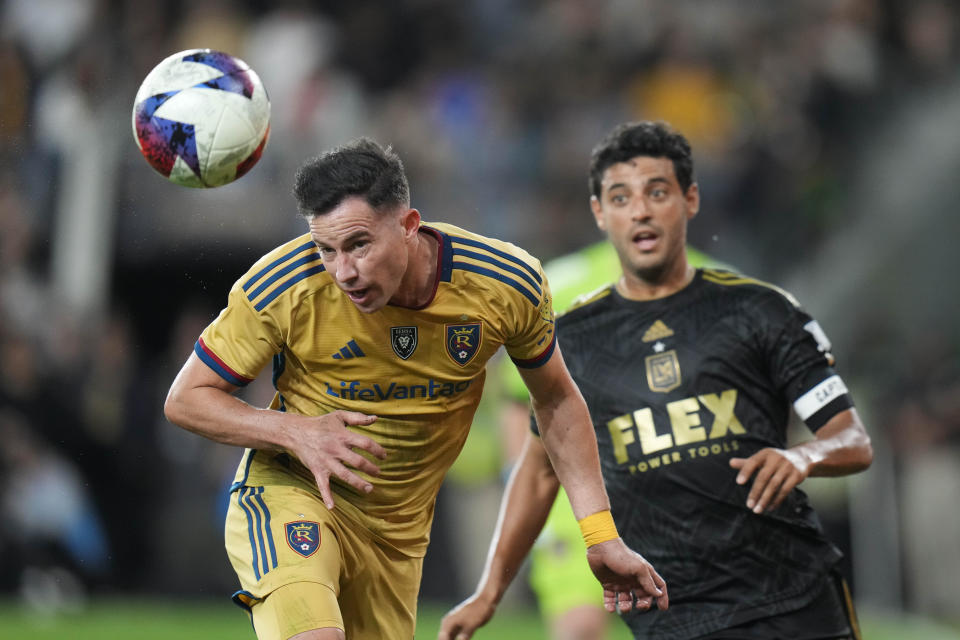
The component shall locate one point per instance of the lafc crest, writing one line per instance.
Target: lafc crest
(403, 340)
(663, 371)
(303, 537)
(463, 341)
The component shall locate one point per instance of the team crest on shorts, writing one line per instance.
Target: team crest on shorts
(663, 371)
(463, 341)
(403, 340)
(303, 537)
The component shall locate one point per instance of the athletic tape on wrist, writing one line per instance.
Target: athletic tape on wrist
(598, 527)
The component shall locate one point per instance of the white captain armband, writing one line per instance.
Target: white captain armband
(819, 397)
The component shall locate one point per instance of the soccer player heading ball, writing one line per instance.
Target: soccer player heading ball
(378, 327)
(690, 376)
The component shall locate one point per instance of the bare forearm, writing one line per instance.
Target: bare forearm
(567, 434)
(568, 437)
(201, 402)
(530, 494)
(219, 416)
(841, 447)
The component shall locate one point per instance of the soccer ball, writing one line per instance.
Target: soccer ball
(201, 118)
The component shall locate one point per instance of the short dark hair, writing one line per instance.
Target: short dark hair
(359, 168)
(646, 138)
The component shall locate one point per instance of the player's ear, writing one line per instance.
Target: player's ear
(692, 197)
(410, 223)
(597, 213)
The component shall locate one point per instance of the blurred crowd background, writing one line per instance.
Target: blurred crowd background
(827, 140)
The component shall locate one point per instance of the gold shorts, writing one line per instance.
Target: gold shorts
(303, 567)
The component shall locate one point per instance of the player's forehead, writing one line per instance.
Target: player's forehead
(351, 219)
(637, 172)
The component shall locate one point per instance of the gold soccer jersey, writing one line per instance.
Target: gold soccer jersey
(420, 371)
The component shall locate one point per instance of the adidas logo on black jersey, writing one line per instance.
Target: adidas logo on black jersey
(657, 331)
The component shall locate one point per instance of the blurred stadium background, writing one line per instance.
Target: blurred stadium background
(828, 147)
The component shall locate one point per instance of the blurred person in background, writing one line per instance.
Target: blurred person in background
(53, 540)
(379, 328)
(690, 375)
(924, 424)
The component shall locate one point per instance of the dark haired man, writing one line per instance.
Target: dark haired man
(689, 376)
(378, 327)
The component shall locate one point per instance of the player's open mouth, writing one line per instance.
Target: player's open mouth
(357, 295)
(645, 240)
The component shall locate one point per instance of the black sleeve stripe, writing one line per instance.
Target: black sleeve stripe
(829, 410)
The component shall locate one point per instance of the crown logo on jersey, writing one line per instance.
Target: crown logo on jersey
(657, 331)
(303, 537)
(403, 340)
(352, 350)
(463, 341)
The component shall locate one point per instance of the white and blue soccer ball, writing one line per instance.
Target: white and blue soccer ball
(201, 118)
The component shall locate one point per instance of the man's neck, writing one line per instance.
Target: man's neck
(635, 286)
(420, 280)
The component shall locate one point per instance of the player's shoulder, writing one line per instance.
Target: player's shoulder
(732, 283)
(585, 310)
(586, 303)
(464, 240)
(502, 264)
(292, 269)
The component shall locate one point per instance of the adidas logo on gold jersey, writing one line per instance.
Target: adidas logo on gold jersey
(657, 331)
(352, 350)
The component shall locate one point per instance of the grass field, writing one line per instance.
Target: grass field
(162, 620)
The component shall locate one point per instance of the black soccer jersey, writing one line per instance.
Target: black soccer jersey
(678, 386)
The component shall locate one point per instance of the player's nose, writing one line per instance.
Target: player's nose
(345, 270)
(639, 211)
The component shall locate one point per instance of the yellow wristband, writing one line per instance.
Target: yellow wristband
(598, 527)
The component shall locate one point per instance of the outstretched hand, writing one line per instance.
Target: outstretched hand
(629, 581)
(462, 621)
(776, 471)
(327, 448)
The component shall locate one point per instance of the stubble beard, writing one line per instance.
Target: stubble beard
(659, 270)
(652, 274)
